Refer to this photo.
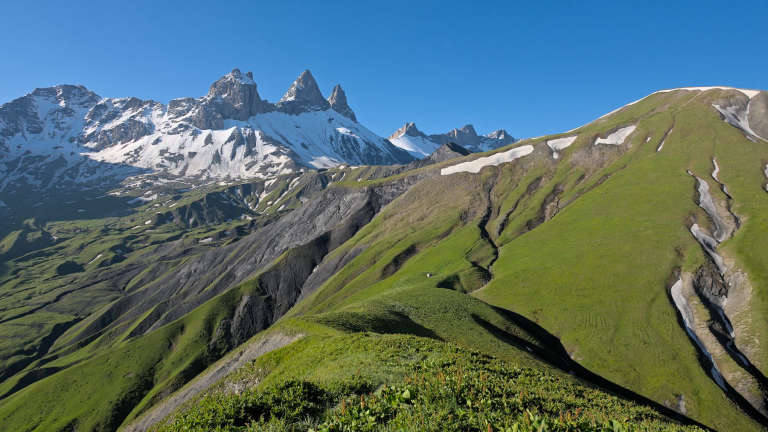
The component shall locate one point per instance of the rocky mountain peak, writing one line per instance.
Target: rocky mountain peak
(233, 96)
(49, 106)
(234, 80)
(68, 95)
(303, 95)
(338, 102)
(409, 129)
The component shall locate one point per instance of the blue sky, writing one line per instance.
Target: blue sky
(532, 67)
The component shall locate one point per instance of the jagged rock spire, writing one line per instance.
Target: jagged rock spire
(303, 95)
(338, 102)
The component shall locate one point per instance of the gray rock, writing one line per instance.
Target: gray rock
(234, 96)
(303, 96)
(338, 102)
(758, 114)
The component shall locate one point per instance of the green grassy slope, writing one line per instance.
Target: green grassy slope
(393, 382)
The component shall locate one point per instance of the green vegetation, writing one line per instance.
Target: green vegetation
(418, 385)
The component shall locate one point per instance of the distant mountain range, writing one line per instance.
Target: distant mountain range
(419, 145)
(57, 137)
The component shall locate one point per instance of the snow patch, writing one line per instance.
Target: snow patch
(417, 146)
(493, 160)
(559, 144)
(716, 170)
(94, 259)
(618, 137)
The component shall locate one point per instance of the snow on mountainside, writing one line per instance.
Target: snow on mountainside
(418, 144)
(64, 135)
(412, 140)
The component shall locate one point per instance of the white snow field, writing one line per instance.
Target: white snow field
(417, 146)
(618, 137)
(559, 144)
(476, 165)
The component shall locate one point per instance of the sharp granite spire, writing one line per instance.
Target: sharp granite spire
(303, 95)
(338, 102)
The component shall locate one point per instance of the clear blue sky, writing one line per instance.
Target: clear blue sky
(530, 67)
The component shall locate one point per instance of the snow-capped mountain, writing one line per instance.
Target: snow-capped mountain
(419, 145)
(66, 134)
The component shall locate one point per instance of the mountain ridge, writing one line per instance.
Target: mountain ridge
(231, 132)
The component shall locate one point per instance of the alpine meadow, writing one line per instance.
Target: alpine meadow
(227, 263)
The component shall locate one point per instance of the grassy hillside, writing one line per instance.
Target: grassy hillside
(368, 381)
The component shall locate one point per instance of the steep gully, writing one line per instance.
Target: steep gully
(708, 289)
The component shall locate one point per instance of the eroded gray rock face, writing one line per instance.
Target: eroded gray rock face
(758, 114)
(304, 95)
(302, 237)
(750, 115)
(338, 102)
